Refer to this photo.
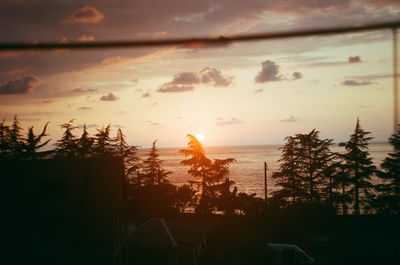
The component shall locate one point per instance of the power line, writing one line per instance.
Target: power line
(193, 42)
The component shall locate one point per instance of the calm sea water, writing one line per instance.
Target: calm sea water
(248, 170)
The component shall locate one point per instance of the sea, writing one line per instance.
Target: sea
(248, 170)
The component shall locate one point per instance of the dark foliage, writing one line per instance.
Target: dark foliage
(388, 201)
(359, 168)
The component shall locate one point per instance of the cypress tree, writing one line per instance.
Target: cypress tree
(67, 146)
(359, 167)
(153, 173)
(85, 144)
(388, 201)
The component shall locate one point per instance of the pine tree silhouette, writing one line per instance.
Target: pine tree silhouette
(67, 146)
(32, 144)
(388, 201)
(153, 173)
(359, 167)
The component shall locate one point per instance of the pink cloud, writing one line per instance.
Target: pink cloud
(21, 85)
(85, 38)
(87, 14)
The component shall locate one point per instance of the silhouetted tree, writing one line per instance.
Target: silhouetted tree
(304, 168)
(359, 167)
(288, 178)
(208, 177)
(249, 204)
(32, 144)
(129, 153)
(67, 146)
(15, 141)
(184, 197)
(103, 145)
(4, 136)
(314, 157)
(153, 173)
(338, 183)
(225, 200)
(388, 201)
(85, 144)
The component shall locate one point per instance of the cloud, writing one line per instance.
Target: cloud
(297, 75)
(185, 81)
(21, 85)
(214, 76)
(84, 108)
(354, 59)
(46, 102)
(118, 126)
(146, 95)
(186, 78)
(223, 122)
(171, 88)
(80, 90)
(109, 97)
(356, 83)
(15, 71)
(85, 38)
(89, 126)
(269, 72)
(87, 14)
(290, 119)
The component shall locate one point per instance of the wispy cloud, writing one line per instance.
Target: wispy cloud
(84, 108)
(81, 90)
(290, 119)
(109, 97)
(356, 83)
(85, 38)
(89, 126)
(224, 122)
(171, 88)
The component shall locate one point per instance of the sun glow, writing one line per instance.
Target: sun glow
(200, 137)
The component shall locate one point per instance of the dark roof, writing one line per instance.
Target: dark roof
(158, 232)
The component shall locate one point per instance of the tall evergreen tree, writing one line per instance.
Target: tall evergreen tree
(210, 179)
(85, 144)
(32, 144)
(103, 145)
(359, 167)
(4, 140)
(153, 173)
(129, 153)
(67, 146)
(288, 179)
(314, 157)
(15, 141)
(304, 168)
(388, 201)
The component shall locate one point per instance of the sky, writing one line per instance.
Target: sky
(249, 93)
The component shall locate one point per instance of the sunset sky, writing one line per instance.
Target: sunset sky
(237, 94)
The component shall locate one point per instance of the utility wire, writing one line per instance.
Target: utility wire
(198, 42)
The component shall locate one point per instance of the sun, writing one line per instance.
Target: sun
(199, 137)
